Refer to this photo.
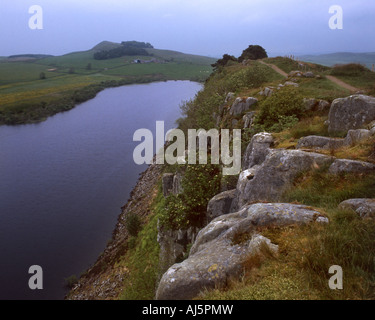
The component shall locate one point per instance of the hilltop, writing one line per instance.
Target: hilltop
(33, 87)
(274, 230)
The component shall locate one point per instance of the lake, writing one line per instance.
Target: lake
(64, 181)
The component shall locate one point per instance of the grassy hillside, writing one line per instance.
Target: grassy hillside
(33, 89)
(299, 271)
(331, 59)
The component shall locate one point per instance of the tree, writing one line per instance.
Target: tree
(223, 61)
(42, 76)
(88, 67)
(253, 52)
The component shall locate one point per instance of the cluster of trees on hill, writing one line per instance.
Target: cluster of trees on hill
(253, 52)
(127, 48)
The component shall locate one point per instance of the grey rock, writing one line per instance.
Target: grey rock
(291, 83)
(351, 166)
(323, 105)
(356, 136)
(309, 74)
(371, 127)
(325, 143)
(177, 184)
(365, 208)
(242, 105)
(318, 142)
(173, 245)
(309, 104)
(229, 97)
(248, 119)
(267, 92)
(276, 174)
(349, 113)
(215, 257)
(220, 204)
(257, 149)
(167, 182)
(295, 73)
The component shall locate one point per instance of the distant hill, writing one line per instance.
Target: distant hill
(367, 58)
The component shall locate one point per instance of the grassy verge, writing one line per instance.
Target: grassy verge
(142, 258)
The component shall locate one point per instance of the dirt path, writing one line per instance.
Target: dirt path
(342, 84)
(331, 78)
(277, 69)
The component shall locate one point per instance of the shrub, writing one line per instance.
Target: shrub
(200, 184)
(283, 107)
(350, 69)
(132, 224)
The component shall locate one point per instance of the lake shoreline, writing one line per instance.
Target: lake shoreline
(40, 112)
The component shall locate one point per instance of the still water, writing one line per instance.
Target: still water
(63, 182)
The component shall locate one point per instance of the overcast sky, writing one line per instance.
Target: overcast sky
(206, 27)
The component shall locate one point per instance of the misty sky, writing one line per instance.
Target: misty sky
(206, 27)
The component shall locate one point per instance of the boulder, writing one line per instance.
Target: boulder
(217, 256)
(318, 142)
(295, 73)
(349, 113)
(309, 74)
(267, 92)
(365, 208)
(242, 105)
(177, 184)
(229, 97)
(257, 149)
(291, 83)
(220, 204)
(323, 105)
(309, 104)
(173, 246)
(248, 119)
(276, 174)
(351, 166)
(356, 136)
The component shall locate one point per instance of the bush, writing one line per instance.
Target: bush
(282, 108)
(350, 69)
(200, 184)
(253, 52)
(132, 224)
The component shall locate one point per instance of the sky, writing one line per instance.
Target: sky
(204, 27)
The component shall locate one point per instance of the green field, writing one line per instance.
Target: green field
(77, 76)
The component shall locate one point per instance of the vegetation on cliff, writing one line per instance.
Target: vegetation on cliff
(300, 269)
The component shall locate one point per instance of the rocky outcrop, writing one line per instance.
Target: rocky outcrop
(311, 104)
(174, 246)
(257, 150)
(171, 184)
(248, 119)
(349, 113)
(217, 254)
(351, 166)
(220, 204)
(242, 105)
(269, 180)
(291, 83)
(365, 208)
(317, 142)
(267, 91)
